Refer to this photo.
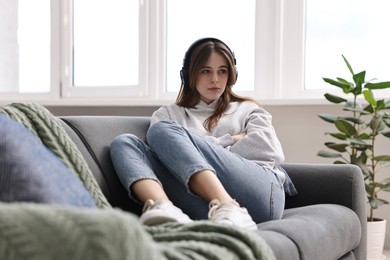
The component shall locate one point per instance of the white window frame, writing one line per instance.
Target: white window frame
(279, 59)
(280, 37)
(70, 91)
(288, 59)
(53, 96)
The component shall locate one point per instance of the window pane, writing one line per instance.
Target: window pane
(25, 46)
(356, 29)
(232, 21)
(106, 40)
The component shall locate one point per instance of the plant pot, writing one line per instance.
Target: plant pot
(376, 231)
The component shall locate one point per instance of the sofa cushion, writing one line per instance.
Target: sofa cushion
(339, 227)
(282, 246)
(32, 173)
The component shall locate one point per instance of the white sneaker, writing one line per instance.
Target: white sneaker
(158, 212)
(228, 213)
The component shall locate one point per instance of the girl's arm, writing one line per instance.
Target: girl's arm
(260, 142)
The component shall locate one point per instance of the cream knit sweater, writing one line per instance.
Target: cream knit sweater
(260, 145)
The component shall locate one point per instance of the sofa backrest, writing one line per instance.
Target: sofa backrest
(93, 136)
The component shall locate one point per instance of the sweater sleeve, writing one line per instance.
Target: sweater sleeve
(160, 114)
(260, 143)
(224, 141)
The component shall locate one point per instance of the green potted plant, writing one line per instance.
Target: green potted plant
(365, 120)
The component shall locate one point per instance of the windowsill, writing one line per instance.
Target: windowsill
(142, 102)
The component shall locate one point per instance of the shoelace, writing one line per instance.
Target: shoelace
(213, 207)
(218, 211)
(149, 204)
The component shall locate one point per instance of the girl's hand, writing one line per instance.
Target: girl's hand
(238, 137)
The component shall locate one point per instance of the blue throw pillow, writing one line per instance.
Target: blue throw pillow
(30, 172)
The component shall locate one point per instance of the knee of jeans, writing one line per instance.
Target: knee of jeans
(124, 140)
(159, 130)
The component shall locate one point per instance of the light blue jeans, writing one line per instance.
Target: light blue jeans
(173, 155)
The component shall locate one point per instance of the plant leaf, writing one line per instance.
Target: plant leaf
(386, 184)
(359, 110)
(328, 118)
(337, 147)
(387, 134)
(386, 121)
(345, 81)
(376, 203)
(357, 141)
(376, 125)
(339, 136)
(348, 65)
(379, 85)
(369, 96)
(382, 158)
(366, 171)
(353, 120)
(362, 158)
(368, 109)
(380, 104)
(327, 154)
(334, 99)
(369, 189)
(345, 87)
(359, 80)
(339, 162)
(345, 127)
(364, 136)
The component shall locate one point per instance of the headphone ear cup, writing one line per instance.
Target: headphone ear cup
(184, 77)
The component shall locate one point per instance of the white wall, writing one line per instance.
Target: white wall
(299, 128)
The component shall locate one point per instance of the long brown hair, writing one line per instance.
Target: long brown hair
(189, 96)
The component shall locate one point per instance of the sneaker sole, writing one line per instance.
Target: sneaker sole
(156, 217)
(250, 226)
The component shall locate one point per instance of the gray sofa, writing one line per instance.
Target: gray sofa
(326, 220)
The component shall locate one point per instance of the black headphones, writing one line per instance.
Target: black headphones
(186, 61)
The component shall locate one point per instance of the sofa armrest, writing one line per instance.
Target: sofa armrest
(341, 184)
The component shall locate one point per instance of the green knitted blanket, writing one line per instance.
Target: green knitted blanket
(45, 126)
(37, 231)
(47, 232)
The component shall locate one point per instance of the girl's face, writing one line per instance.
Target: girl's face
(212, 78)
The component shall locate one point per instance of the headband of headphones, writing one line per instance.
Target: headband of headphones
(186, 61)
